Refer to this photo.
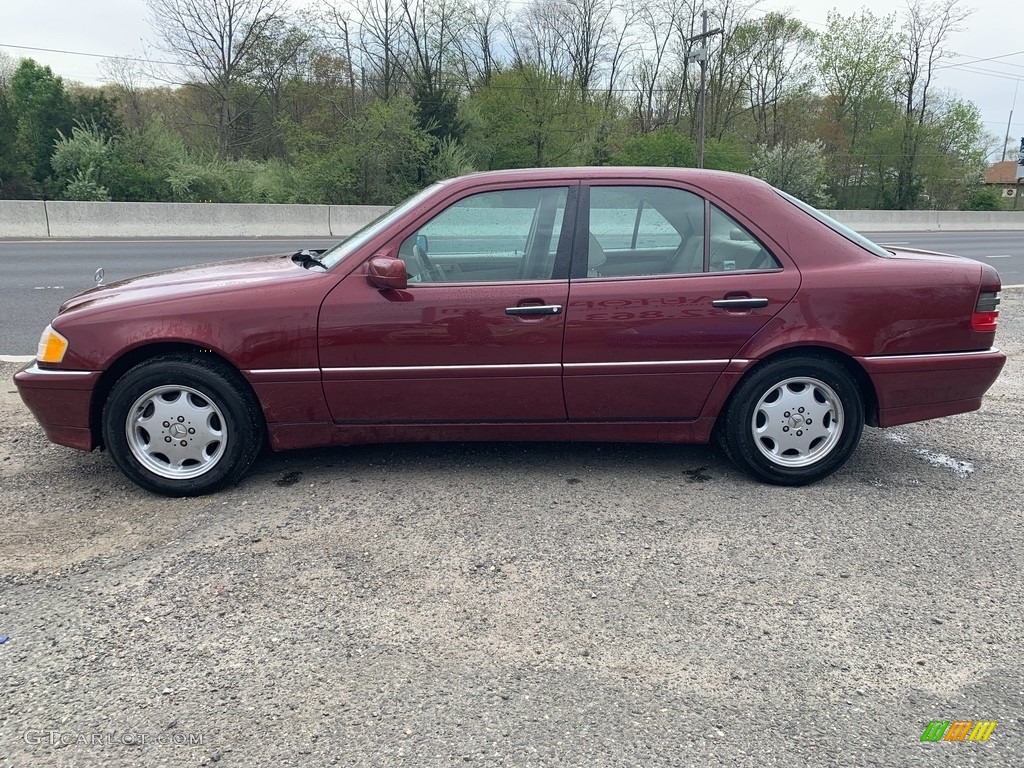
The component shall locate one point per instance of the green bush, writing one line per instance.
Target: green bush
(983, 198)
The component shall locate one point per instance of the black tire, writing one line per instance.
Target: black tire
(201, 410)
(766, 434)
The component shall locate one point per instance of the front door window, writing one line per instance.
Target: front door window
(489, 237)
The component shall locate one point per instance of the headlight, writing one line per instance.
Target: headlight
(52, 346)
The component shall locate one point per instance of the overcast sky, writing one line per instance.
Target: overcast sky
(120, 28)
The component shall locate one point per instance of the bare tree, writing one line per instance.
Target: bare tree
(621, 46)
(213, 41)
(926, 30)
(585, 29)
(479, 46)
(536, 40)
(342, 26)
(128, 80)
(432, 28)
(657, 23)
(729, 73)
(278, 60)
(382, 45)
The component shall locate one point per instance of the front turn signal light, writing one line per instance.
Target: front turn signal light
(52, 346)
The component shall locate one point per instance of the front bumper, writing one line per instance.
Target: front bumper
(61, 401)
(918, 387)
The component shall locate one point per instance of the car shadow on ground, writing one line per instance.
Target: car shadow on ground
(524, 460)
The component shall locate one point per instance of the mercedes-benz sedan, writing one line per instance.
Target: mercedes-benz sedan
(643, 304)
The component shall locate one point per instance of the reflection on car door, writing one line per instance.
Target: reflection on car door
(650, 345)
(477, 337)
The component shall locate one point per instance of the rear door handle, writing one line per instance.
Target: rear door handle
(744, 303)
(535, 309)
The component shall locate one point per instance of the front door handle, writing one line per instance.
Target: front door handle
(740, 303)
(535, 309)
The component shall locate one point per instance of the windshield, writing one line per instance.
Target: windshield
(336, 254)
(835, 226)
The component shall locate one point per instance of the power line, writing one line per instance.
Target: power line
(989, 58)
(84, 53)
(991, 73)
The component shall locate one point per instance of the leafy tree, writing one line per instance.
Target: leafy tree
(42, 111)
(450, 159)
(664, 147)
(777, 56)
(7, 67)
(377, 158)
(84, 186)
(858, 67)
(951, 157)
(527, 117)
(798, 169)
(726, 154)
(15, 176)
(982, 198)
(80, 162)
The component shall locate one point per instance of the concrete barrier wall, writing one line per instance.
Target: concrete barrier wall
(23, 218)
(35, 219)
(73, 219)
(930, 221)
(346, 219)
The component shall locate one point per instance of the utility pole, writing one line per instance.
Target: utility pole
(1010, 119)
(700, 55)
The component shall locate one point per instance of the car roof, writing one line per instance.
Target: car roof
(699, 176)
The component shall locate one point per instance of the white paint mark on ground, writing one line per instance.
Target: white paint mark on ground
(16, 358)
(999, 256)
(897, 436)
(48, 288)
(958, 467)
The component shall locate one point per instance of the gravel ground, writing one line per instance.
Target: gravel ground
(519, 604)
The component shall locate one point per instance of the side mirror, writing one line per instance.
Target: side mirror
(387, 272)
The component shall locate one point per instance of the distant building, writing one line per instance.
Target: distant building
(1003, 175)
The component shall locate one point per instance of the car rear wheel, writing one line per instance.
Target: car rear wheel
(793, 421)
(182, 426)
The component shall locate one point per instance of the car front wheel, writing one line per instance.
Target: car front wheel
(182, 426)
(793, 421)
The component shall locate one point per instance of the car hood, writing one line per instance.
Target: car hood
(201, 279)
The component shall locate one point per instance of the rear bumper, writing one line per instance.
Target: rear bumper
(60, 401)
(918, 387)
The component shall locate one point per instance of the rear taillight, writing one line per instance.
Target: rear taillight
(986, 314)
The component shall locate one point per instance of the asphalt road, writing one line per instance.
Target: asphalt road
(1003, 250)
(520, 605)
(36, 276)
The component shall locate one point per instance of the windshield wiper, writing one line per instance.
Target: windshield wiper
(308, 258)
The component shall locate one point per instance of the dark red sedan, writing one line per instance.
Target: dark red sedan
(643, 304)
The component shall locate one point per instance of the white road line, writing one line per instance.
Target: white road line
(16, 358)
(1000, 256)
